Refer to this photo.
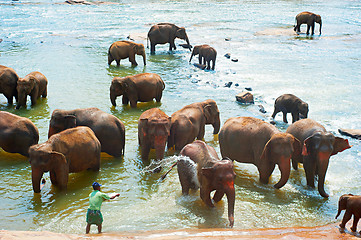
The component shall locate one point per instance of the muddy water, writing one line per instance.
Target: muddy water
(69, 44)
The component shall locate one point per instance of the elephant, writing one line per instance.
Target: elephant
(251, 140)
(8, 83)
(207, 53)
(70, 151)
(107, 128)
(141, 87)
(33, 84)
(204, 170)
(318, 146)
(289, 103)
(189, 123)
(17, 134)
(308, 18)
(352, 204)
(153, 131)
(162, 33)
(125, 49)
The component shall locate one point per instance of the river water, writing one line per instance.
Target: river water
(69, 45)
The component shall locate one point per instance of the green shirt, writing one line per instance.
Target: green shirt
(96, 199)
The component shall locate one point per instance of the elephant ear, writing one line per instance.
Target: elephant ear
(207, 172)
(69, 121)
(266, 152)
(340, 145)
(125, 86)
(143, 122)
(60, 168)
(32, 81)
(207, 110)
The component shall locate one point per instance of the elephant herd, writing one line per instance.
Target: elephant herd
(77, 137)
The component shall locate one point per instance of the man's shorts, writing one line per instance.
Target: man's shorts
(94, 217)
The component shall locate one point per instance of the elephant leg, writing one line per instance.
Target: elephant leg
(354, 224)
(218, 196)
(313, 28)
(132, 60)
(159, 96)
(265, 173)
(310, 172)
(125, 100)
(133, 103)
(346, 218)
(284, 116)
(33, 99)
(294, 164)
(145, 151)
(295, 117)
(118, 62)
(213, 64)
(45, 93)
(9, 98)
(201, 132)
(53, 178)
(152, 48)
(200, 59)
(208, 65)
(110, 59)
(205, 196)
(171, 45)
(308, 29)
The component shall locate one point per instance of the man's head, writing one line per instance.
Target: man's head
(96, 186)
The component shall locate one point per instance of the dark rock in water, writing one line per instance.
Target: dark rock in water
(261, 109)
(234, 60)
(272, 122)
(248, 89)
(227, 55)
(185, 46)
(236, 84)
(74, 2)
(228, 39)
(41, 41)
(229, 84)
(131, 39)
(201, 66)
(245, 97)
(354, 133)
(1, 40)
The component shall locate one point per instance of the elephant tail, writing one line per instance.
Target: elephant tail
(170, 169)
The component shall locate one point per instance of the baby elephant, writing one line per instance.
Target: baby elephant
(204, 170)
(352, 205)
(289, 103)
(125, 49)
(207, 53)
(35, 85)
(308, 18)
(153, 132)
(142, 87)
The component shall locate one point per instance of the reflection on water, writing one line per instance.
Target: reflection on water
(69, 45)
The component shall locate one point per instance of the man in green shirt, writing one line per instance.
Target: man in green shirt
(96, 198)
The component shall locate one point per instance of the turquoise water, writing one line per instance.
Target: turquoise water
(69, 45)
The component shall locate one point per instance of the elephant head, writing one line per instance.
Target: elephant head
(157, 130)
(181, 33)
(211, 114)
(139, 50)
(195, 51)
(60, 120)
(119, 86)
(24, 88)
(278, 150)
(42, 159)
(316, 151)
(342, 203)
(303, 109)
(318, 20)
(220, 177)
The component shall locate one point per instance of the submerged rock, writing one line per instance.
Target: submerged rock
(187, 46)
(261, 109)
(229, 84)
(248, 88)
(73, 2)
(227, 55)
(227, 39)
(354, 133)
(245, 98)
(234, 59)
(201, 66)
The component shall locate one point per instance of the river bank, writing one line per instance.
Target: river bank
(330, 231)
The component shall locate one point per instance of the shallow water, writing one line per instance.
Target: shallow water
(69, 45)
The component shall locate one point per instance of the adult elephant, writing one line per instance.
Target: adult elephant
(70, 151)
(318, 146)
(141, 87)
(153, 131)
(8, 83)
(162, 33)
(109, 129)
(309, 19)
(212, 175)
(35, 85)
(289, 103)
(207, 53)
(352, 204)
(17, 134)
(251, 140)
(125, 49)
(189, 123)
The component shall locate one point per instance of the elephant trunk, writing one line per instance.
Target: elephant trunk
(144, 59)
(113, 96)
(216, 125)
(159, 145)
(189, 45)
(285, 168)
(231, 197)
(191, 56)
(322, 165)
(338, 212)
(21, 101)
(36, 175)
